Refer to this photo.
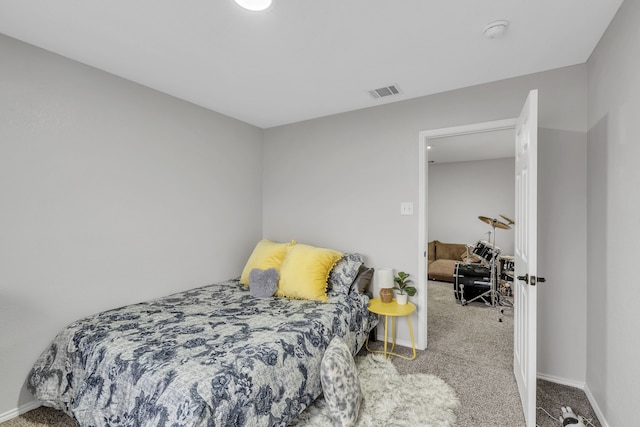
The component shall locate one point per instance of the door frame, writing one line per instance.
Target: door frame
(423, 186)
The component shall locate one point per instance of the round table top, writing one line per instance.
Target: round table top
(390, 308)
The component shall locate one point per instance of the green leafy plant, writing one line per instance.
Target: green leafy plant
(402, 282)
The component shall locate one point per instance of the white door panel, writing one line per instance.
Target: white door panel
(525, 292)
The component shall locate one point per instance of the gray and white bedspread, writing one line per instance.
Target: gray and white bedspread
(211, 356)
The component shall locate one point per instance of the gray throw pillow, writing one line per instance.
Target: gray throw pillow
(343, 274)
(263, 283)
(363, 279)
(340, 383)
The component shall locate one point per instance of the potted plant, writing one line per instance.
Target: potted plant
(402, 282)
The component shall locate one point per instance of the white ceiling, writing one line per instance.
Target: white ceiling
(496, 144)
(303, 59)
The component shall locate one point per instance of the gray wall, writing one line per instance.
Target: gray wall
(339, 180)
(561, 255)
(114, 193)
(613, 348)
(460, 192)
(110, 193)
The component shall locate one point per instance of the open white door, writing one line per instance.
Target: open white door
(525, 292)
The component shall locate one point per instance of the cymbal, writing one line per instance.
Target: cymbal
(494, 222)
(509, 220)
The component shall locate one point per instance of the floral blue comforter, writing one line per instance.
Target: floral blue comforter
(211, 356)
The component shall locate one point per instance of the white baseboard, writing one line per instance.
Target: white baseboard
(19, 411)
(563, 381)
(596, 408)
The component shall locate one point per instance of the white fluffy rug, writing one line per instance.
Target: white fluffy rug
(391, 399)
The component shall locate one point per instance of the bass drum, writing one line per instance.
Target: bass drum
(474, 278)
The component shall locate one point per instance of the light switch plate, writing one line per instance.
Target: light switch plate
(406, 208)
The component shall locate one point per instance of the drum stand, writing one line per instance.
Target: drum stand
(500, 301)
(497, 299)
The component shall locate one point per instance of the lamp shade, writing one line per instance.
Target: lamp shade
(385, 278)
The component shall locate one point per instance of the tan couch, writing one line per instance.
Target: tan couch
(442, 258)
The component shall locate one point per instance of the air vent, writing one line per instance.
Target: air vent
(385, 91)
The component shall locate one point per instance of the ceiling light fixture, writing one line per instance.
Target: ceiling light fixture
(495, 29)
(254, 5)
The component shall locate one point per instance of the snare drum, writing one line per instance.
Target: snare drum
(486, 251)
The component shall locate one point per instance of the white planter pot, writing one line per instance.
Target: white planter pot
(401, 299)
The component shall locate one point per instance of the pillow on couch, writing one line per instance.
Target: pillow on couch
(431, 250)
(450, 251)
(304, 272)
(472, 258)
(266, 254)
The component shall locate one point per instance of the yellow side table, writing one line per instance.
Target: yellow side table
(392, 309)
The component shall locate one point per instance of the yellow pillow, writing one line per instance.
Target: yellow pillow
(266, 254)
(304, 272)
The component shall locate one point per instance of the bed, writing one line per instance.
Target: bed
(210, 356)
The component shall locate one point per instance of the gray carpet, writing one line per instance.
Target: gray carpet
(470, 350)
(473, 353)
(551, 397)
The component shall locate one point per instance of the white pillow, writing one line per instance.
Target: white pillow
(340, 383)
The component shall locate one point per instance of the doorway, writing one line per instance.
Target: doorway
(425, 140)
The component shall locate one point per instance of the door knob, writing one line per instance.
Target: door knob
(532, 280)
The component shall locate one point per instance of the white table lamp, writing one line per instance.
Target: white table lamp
(385, 278)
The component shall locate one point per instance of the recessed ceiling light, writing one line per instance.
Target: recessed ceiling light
(255, 5)
(495, 29)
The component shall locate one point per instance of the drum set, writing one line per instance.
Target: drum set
(489, 278)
